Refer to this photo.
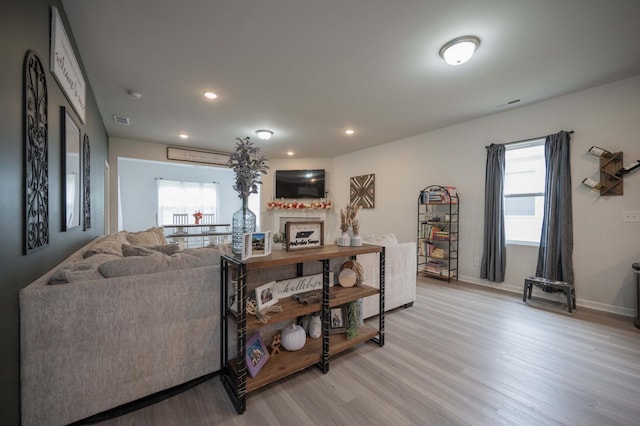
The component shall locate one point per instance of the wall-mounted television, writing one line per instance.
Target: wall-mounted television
(300, 184)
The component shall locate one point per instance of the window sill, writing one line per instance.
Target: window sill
(523, 243)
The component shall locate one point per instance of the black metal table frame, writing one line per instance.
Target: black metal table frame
(236, 384)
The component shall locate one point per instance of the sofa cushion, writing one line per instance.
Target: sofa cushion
(384, 240)
(109, 244)
(133, 250)
(150, 237)
(210, 256)
(156, 262)
(83, 270)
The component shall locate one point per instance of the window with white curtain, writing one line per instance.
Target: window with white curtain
(185, 197)
(524, 184)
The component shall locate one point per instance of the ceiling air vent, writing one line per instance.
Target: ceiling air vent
(121, 120)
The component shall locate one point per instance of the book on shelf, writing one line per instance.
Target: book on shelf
(440, 236)
(438, 195)
(311, 296)
(436, 252)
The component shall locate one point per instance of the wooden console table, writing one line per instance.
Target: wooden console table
(316, 351)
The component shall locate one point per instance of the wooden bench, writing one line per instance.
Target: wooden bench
(544, 284)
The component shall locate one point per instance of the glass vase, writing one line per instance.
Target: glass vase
(244, 220)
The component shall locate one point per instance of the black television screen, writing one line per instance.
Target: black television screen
(300, 184)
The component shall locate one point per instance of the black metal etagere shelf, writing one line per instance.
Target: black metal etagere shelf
(438, 232)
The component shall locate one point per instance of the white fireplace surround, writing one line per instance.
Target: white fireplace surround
(275, 220)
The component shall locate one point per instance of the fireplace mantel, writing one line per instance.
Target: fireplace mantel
(277, 217)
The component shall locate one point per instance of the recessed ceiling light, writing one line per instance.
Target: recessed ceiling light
(210, 95)
(264, 134)
(459, 50)
(289, 153)
(183, 136)
(349, 131)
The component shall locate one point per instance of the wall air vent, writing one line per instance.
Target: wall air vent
(121, 120)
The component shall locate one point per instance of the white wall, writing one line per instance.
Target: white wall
(139, 194)
(604, 247)
(138, 183)
(268, 189)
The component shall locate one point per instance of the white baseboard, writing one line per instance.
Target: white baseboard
(519, 288)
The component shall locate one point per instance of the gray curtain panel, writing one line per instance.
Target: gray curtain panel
(555, 256)
(494, 257)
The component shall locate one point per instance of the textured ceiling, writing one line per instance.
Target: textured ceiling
(308, 70)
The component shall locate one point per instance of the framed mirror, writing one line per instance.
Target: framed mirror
(71, 194)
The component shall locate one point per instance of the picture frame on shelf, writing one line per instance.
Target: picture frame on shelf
(266, 295)
(304, 235)
(338, 319)
(256, 244)
(257, 354)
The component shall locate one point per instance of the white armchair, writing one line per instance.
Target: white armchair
(400, 273)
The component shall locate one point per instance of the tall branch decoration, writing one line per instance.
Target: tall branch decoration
(248, 165)
(86, 183)
(36, 155)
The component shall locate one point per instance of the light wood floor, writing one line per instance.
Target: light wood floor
(462, 355)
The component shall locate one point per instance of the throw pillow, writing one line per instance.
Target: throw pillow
(109, 244)
(150, 237)
(132, 250)
(168, 249)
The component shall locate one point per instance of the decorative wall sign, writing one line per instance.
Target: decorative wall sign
(70, 150)
(65, 68)
(86, 183)
(197, 156)
(362, 191)
(36, 155)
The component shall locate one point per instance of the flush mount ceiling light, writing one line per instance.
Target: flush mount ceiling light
(349, 132)
(183, 136)
(459, 50)
(264, 134)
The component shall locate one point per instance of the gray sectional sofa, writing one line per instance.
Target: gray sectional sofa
(122, 318)
(127, 316)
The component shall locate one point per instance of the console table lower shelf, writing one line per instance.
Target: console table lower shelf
(286, 363)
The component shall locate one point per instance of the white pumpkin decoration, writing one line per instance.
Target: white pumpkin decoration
(293, 337)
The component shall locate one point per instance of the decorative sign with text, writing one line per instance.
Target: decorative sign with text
(286, 288)
(65, 68)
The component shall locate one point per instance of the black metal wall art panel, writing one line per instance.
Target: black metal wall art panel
(36, 155)
(86, 183)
